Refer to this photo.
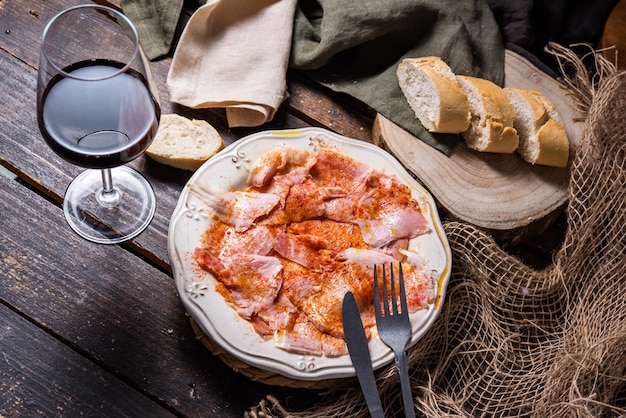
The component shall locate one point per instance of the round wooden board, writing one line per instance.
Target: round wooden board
(493, 191)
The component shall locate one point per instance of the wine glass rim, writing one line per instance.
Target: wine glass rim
(117, 13)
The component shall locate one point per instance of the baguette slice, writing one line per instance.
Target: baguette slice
(543, 139)
(491, 126)
(184, 143)
(547, 104)
(433, 93)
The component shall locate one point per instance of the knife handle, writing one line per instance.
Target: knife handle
(359, 353)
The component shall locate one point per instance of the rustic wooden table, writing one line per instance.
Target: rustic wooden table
(90, 329)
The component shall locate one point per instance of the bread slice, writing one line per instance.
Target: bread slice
(491, 126)
(547, 104)
(433, 93)
(543, 139)
(184, 143)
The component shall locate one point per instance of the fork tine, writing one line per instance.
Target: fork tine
(403, 305)
(376, 292)
(394, 296)
(385, 292)
(390, 291)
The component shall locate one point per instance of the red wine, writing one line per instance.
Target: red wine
(98, 124)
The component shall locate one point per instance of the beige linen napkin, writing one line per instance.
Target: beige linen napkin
(233, 54)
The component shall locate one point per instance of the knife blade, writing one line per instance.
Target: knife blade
(360, 354)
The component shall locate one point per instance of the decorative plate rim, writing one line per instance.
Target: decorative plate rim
(220, 322)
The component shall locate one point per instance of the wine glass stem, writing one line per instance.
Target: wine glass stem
(108, 196)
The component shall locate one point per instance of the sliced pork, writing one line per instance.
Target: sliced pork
(239, 208)
(310, 227)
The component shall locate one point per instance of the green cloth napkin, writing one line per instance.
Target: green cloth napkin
(156, 22)
(354, 47)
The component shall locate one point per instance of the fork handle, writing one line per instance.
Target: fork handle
(407, 396)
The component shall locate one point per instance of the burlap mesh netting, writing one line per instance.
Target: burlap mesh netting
(513, 341)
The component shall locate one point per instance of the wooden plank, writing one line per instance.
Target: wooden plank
(23, 149)
(24, 152)
(322, 108)
(23, 23)
(40, 376)
(113, 308)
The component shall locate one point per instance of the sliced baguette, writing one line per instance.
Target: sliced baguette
(547, 104)
(184, 143)
(433, 93)
(491, 126)
(543, 139)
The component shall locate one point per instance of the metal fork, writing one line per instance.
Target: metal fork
(394, 328)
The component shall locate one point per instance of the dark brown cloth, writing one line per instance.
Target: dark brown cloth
(528, 25)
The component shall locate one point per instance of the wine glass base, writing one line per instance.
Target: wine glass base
(108, 218)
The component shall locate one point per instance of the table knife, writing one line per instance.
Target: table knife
(360, 355)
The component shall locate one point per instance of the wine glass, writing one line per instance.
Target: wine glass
(98, 108)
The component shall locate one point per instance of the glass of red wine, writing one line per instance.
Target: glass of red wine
(98, 108)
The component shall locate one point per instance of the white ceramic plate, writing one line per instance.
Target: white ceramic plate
(229, 169)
